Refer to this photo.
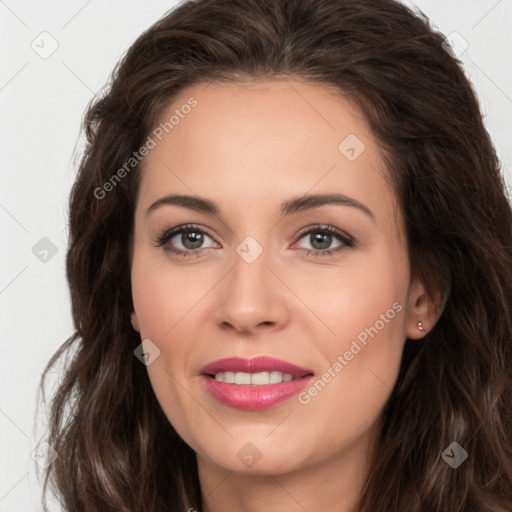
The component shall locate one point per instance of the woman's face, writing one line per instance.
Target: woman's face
(302, 260)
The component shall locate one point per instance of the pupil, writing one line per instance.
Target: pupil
(194, 238)
(323, 238)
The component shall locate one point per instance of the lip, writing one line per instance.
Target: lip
(254, 397)
(253, 365)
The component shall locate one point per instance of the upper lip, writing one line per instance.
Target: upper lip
(254, 365)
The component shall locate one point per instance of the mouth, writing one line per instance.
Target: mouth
(261, 370)
(255, 379)
(254, 384)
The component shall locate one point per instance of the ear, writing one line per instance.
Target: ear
(135, 321)
(423, 310)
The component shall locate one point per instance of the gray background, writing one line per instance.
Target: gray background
(42, 101)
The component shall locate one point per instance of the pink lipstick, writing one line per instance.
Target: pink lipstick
(254, 384)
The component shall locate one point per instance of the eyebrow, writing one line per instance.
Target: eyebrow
(295, 205)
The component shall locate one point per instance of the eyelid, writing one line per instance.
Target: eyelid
(346, 240)
(329, 229)
(167, 234)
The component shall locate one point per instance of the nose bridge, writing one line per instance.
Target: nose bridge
(250, 276)
(251, 294)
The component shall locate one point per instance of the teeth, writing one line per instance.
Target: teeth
(258, 379)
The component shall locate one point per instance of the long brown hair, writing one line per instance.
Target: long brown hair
(116, 449)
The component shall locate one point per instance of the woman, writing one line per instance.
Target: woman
(290, 271)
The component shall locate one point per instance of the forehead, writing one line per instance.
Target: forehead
(258, 141)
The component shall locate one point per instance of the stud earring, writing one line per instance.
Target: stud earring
(420, 326)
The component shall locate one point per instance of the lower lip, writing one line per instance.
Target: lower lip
(253, 397)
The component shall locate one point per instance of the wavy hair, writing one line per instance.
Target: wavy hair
(116, 449)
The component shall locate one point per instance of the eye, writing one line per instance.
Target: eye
(185, 240)
(321, 238)
(189, 240)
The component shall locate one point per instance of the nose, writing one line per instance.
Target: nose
(252, 299)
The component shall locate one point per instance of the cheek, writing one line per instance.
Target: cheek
(364, 311)
(153, 304)
(350, 299)
(162, 295)
(163, 302)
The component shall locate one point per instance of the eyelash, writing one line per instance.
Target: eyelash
(166, 235)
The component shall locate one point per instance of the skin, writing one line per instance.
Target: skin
(249, 146)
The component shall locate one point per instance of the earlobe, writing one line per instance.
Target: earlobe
(135, 321)
(423, 311)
